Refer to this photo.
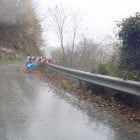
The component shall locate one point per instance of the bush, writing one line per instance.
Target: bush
(101, 69)
(113, 69)
(129, 33)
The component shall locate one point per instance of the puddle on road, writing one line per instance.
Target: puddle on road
(54, 118)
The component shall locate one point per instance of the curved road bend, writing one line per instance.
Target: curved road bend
(31, 110)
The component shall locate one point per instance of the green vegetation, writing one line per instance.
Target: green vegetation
(122, 60)
(101, 69)
(130, 35)
(114, 70)
(128, 64)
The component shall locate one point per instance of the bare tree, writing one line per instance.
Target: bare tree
(59, 20)
(76, 19)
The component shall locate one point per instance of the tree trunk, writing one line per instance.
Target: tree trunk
(63, 51)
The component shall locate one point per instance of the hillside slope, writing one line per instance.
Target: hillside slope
(20, 29)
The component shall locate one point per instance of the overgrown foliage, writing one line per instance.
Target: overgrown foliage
(19, 27)
(123, 60)
(86, 55)
(130, 34)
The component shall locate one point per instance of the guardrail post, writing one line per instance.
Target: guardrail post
(80, 85)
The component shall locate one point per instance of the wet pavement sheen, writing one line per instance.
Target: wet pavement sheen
(31, 110)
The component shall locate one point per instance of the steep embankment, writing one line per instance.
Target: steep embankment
(20, 31)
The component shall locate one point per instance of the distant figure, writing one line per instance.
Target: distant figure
(37, 58)
(30, 65)
(43, 60)
(51, 61)
(29, 57)
(33, 58)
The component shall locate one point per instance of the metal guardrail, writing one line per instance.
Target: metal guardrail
(127, 86)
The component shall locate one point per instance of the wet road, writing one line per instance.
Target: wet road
(31, 110)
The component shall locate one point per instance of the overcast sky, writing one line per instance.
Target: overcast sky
(99, 16)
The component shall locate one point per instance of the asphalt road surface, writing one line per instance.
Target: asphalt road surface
(31, 110)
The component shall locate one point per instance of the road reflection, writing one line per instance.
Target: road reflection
(54, 118)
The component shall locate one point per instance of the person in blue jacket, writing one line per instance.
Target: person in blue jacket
(30, 65)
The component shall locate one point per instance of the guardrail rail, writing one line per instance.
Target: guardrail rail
(127, 86)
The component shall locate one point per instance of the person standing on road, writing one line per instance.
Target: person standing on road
(30, 64)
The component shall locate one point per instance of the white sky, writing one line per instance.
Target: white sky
(99, 16)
